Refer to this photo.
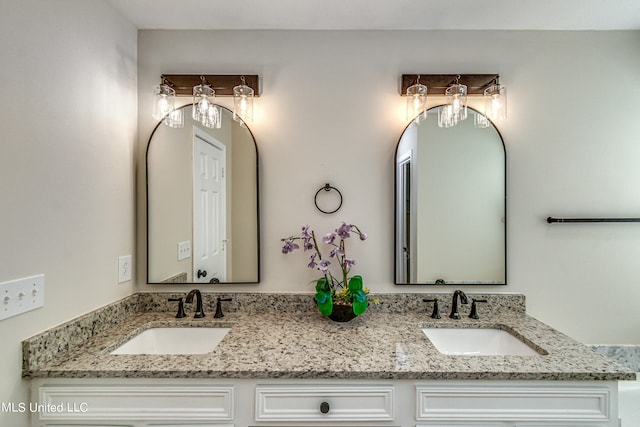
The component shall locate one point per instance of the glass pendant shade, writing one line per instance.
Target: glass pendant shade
(416, 103)
(457, 100)
(446, 118)
(243, 103)
(175, 119)
(213, 118)
(495, 102)
(202, 103)
(481, 121)
(164, 101)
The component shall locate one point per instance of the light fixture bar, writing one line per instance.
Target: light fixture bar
(438, 83)
(223, 84)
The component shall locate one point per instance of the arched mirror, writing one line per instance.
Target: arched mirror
(202, 203)
(450, 204)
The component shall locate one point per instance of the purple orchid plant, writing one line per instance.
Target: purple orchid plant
(329, 288)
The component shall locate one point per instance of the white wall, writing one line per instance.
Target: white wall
(67, 135)
(330, 112)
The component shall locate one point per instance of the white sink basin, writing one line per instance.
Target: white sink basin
(477, 342)
(173, 341)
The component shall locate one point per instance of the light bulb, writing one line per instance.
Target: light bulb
(495, 102)
(164, 101)
(163, 105)
(416, 103)
(243, 102)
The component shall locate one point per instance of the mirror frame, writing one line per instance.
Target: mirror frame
(395, 212)
(146, 171)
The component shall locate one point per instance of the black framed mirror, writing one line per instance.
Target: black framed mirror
(202, 203)
(450, 204)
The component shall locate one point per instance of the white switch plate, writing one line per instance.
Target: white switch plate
(124, 268)
(21, 295)
(184, 250)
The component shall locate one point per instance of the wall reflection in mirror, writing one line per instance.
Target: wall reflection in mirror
(202, 203)
(450, 204)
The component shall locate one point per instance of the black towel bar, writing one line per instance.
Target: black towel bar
(551, 220)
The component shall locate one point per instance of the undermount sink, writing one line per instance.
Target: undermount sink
(185, 340)
(477, 342)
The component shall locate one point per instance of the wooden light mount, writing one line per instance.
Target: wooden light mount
(438, 83)
(223, 84)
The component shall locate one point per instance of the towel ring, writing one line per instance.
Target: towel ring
(327, 187)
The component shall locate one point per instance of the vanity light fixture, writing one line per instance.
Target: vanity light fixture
(455, 110)
(495, 101)
(417, 101)
(164, 100)
(204, 110)
(203, 88)
(455, 88)
(243, 102)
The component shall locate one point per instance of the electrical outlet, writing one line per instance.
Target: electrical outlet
(184, 250)
(124, 268)
(21, 295)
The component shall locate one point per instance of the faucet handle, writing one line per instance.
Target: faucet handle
(436, 311)
(180, 313)
(219, 313)
(474, 308)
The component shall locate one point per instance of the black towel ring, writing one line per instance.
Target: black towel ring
(327, 187)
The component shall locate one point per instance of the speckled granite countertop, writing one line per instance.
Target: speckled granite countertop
(303, 344)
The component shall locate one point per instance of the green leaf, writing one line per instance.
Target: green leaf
(321, 297)
(359, 307)
(326, 307)
(360, 296)
(322, 285)
(355, 284)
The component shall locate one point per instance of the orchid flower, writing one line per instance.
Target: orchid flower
(339, 286)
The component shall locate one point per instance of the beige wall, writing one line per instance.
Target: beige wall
(67, 178)
(67, 134)
(330, 112)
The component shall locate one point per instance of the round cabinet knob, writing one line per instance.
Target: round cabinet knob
(202, 273)
(324, 407)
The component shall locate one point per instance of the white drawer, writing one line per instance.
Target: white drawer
(589, 404)
(324, 403)
(141, 402)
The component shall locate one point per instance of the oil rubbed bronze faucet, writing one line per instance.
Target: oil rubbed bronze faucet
(436, 310)
(454, 304)
(189, 299)
(474, 308)
(219, 313)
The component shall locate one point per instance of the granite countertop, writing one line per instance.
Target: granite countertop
(377, 345)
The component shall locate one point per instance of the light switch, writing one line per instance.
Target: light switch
(124, 268)
(21, 295)
(184, 250)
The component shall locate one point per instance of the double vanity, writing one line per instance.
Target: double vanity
(273, 360)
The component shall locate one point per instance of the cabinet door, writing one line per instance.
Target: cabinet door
(87, 425)
(108, 404)
(139, 424)
(470, 424)
(527, 405)
(558, 425)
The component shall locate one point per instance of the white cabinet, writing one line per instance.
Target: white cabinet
(125, 403)
(323, 403)
(520, 402)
